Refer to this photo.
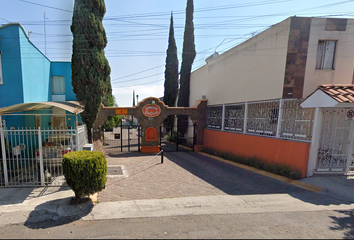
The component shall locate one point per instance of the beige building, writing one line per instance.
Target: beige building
(255, 89)
(288, 60)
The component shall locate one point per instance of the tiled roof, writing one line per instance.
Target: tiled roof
(339, 92)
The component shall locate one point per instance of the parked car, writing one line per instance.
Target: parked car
(53, 149)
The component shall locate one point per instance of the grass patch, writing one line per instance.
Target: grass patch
(275, 168)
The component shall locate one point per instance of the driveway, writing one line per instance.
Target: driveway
(186, 174)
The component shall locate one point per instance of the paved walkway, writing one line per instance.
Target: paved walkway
(184, 175)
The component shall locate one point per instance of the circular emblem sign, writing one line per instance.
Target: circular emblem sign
(151, 110)
(350, 114)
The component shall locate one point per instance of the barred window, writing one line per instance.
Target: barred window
(214, 117)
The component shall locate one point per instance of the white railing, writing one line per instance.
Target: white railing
(281, 118)
(33, 157)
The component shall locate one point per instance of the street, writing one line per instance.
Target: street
(318, 224)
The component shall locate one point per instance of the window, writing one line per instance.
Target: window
(38, 121)
(58, 122)
(325, 55)
(58, 85)
(1, 81)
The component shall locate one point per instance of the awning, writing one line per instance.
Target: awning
(71, 106)
(331, 95)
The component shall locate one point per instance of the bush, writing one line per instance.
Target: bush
(256, 163)
(85, 172)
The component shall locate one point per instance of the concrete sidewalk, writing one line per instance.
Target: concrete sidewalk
(188, 188)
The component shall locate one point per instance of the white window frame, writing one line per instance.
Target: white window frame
(326, 52)
(62, 90)
(1, 78)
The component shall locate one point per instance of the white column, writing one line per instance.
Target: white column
(245, 119)
(280, 116)
(223, 117)
(4, 163)
(316, 133)
(350, 147)
(76, 135)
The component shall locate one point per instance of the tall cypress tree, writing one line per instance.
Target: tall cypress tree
(171, 74)
(188, 55)
(90, 68)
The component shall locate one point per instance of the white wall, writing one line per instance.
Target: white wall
(344, 56)
(251, 71)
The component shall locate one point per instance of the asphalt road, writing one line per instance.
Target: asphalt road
(289, 225)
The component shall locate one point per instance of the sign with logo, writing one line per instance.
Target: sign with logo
(151, 110)
(349, 115)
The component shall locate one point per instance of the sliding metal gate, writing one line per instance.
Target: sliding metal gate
(125, 138)
(170, 141)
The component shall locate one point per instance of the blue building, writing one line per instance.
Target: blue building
(28, 76)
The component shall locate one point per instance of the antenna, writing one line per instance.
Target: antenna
(45, 37)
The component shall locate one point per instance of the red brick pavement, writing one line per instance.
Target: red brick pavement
(153, 180)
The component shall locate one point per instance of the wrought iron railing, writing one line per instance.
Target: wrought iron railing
(281, 118)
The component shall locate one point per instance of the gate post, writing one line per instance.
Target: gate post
(315, 141)
(177, 135)
(350, 148)
(193, 136)
(41, 170)
(128, 138)
(139, 138)
(121, 135)
(4, 163)
(160, 136)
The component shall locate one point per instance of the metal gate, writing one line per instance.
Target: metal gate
(33, 157)
(124, 138)
(171, 141)
(336, 143)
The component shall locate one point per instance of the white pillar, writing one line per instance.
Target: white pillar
(245, 119)
(223, 117)
(280, 116)
(77, 135)
(316, 134)
(4, 163)
(350, 147)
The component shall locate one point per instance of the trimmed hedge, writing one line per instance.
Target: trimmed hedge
(85, 172)
(275, 168)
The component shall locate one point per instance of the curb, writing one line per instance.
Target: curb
(297, 183)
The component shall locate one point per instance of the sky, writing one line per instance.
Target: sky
(137, 32)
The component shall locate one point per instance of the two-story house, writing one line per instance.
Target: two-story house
(28, 76)
(254, 91)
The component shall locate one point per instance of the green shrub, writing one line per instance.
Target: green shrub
(85, 172)
(278, 169)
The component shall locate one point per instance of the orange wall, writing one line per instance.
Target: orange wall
(290, 153)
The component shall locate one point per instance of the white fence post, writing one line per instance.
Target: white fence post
(3, 153)
(350, 147)
(77, 135)
(40, 155)
(280, 116)
(245, 118)
(223, 117)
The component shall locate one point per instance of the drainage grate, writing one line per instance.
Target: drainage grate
(114, 170)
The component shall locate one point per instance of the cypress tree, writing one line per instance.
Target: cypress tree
(171, 74)
(188, 55)
(90, 68)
